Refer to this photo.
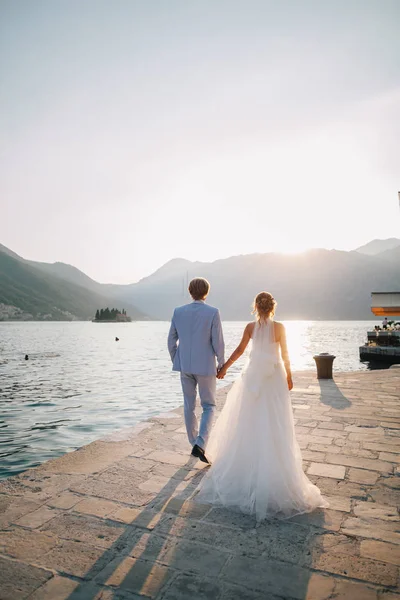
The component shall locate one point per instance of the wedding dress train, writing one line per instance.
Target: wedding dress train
(256, 460)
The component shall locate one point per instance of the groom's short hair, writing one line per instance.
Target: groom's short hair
(199, 288)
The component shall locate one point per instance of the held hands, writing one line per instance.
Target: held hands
(222, 372)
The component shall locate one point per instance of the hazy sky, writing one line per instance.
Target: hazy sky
(133, 132)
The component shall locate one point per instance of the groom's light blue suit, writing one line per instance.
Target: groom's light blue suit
(195, 340)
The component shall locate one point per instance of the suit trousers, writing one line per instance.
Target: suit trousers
(207, 385)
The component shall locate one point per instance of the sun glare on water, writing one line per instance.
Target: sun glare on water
(299, 349)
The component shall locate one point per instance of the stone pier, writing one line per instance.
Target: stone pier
(115, 519)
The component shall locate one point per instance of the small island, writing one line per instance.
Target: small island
(105, 315)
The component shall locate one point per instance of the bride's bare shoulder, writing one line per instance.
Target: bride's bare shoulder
(250, 328)
(279, 328)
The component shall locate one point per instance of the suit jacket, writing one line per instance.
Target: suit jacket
(195, 339)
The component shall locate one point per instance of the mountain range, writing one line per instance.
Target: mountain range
(317, 284)
(379, 246)
(43, 291)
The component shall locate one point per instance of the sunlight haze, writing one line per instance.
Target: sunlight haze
(133, 132)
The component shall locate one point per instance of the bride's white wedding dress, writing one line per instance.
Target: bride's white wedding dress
(256, 460)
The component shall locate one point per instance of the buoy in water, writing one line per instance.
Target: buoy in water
(26, 357)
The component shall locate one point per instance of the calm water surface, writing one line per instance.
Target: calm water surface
(80, 384)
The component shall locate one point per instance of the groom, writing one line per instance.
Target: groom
(195, 339)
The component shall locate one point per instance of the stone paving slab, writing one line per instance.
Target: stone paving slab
(116, 520)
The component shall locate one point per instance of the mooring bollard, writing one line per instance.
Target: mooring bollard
(324, 362)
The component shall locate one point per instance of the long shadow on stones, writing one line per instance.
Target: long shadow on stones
(331, 395)
(129, 563)
(205, 553)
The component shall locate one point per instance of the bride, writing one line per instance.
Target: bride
(256, 460)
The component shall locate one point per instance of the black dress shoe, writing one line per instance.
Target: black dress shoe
(199, 453)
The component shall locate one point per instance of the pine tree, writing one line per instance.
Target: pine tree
(97, 317)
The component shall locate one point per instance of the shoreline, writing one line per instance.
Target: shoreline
(148, 320)
(162, 412)
(116, 516)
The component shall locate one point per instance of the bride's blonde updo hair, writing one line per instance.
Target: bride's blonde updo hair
(264, 306)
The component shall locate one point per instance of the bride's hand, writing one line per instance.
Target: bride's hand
(290, 382)
(222, 372)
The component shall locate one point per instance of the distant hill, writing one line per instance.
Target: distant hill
(43, 295)
(58, 269)
(68, 273)
(392, 255)
(319, 284)
(377, 246)
(9, 252)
